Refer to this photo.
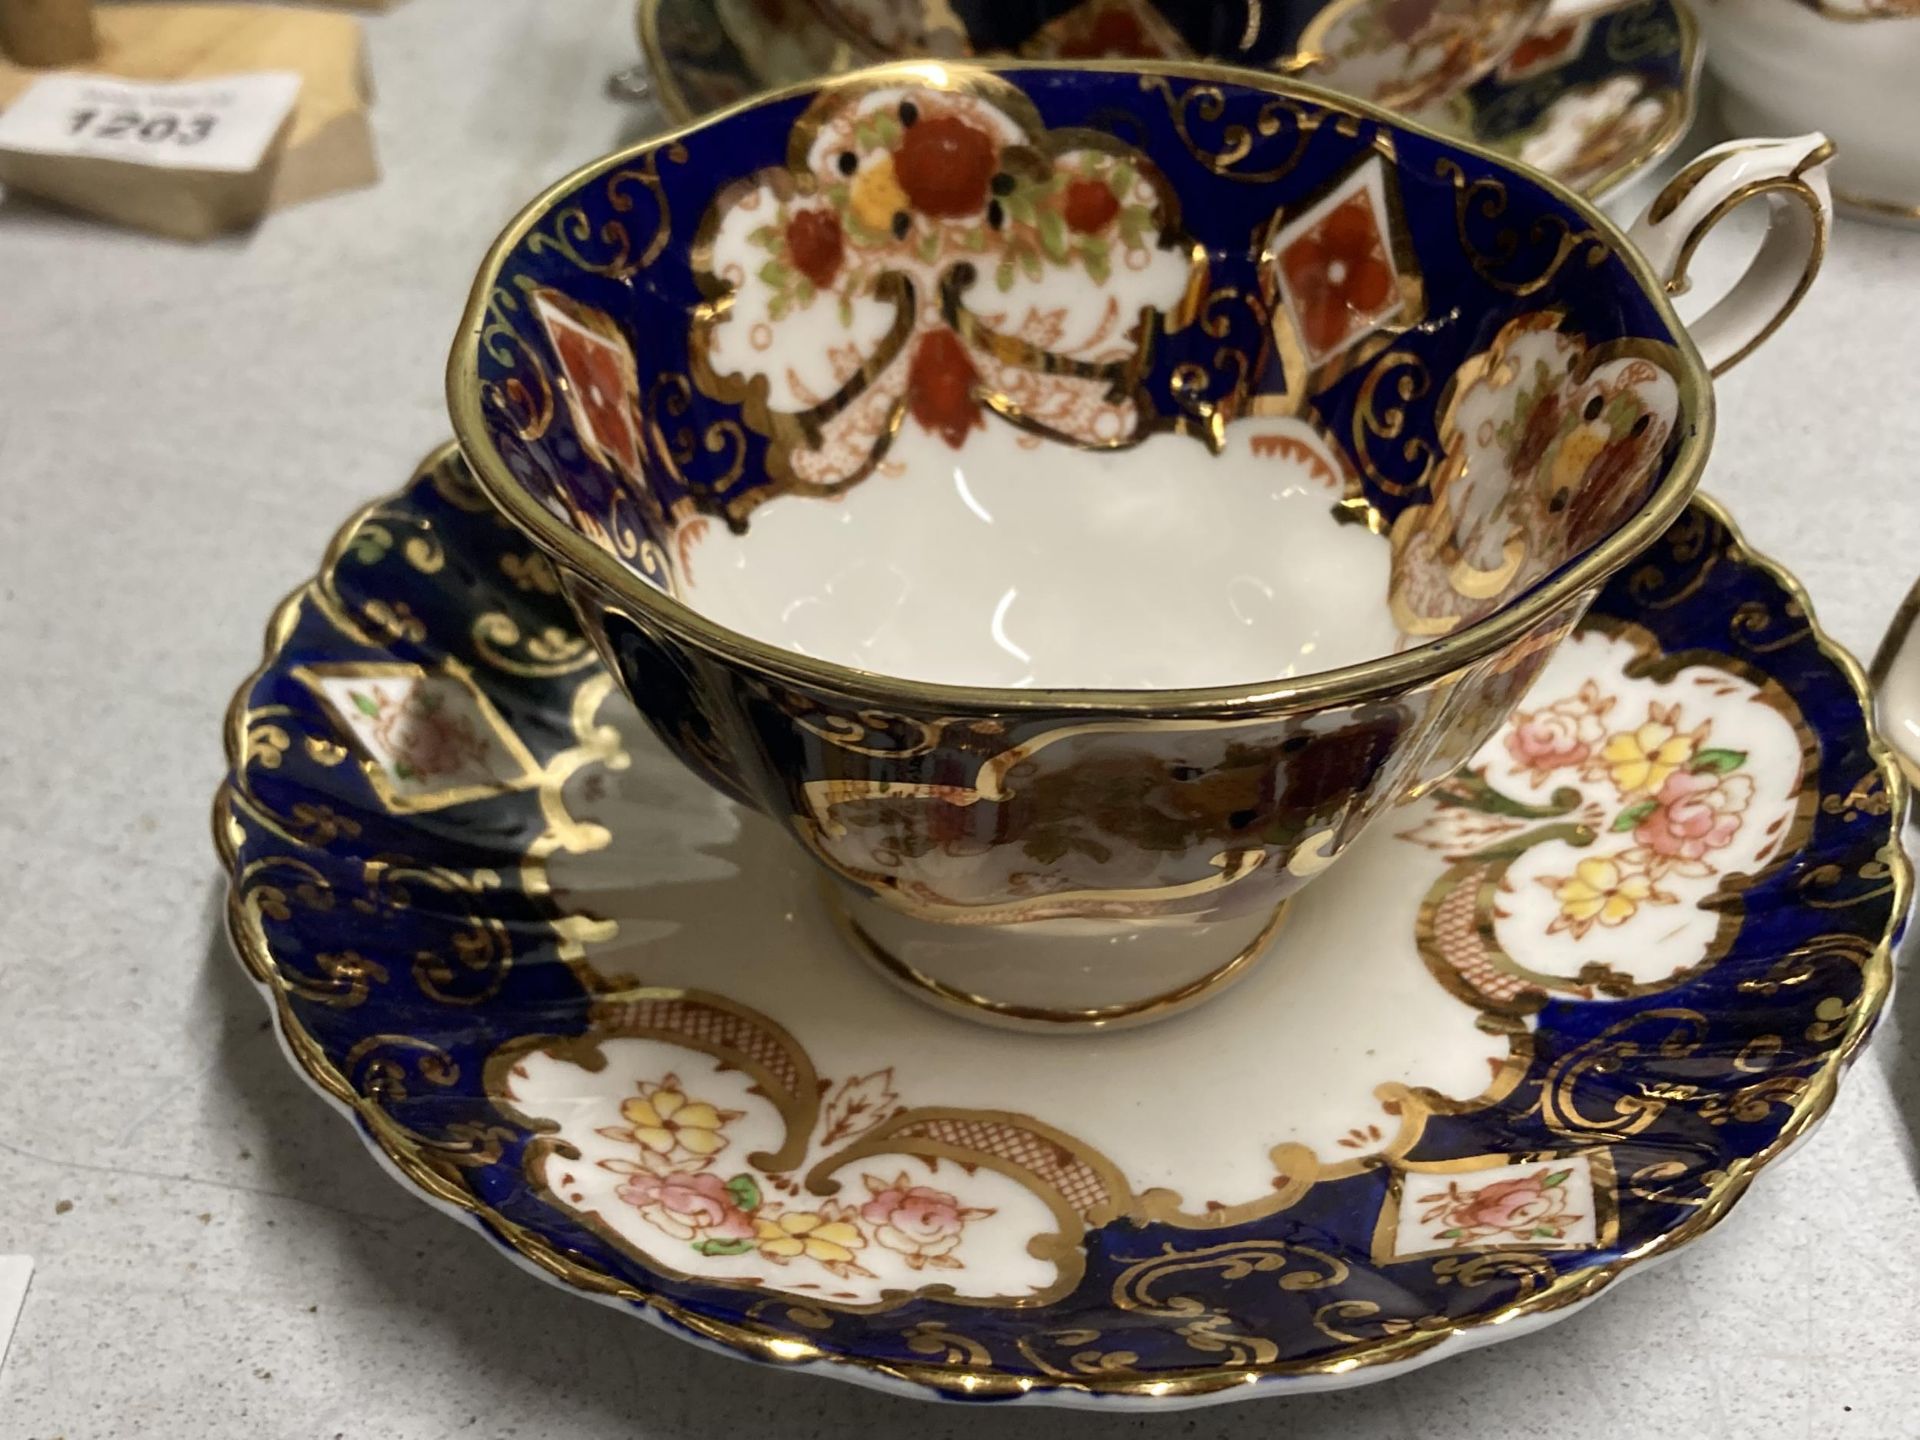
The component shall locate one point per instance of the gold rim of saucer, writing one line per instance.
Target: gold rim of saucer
(1381, 677)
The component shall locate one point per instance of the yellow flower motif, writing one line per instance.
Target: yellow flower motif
(664, 1120)
(1642, 759)
(1600, 892)
(876, 196)
(806, 1232)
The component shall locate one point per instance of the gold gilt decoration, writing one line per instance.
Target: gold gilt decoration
(1481, 202)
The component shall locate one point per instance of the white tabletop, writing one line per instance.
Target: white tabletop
(181, 429)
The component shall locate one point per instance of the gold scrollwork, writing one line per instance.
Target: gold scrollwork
(527, 410)
(1372, 421)
(930, 1337)
(1670, 1033)
(1207, 103)
(378, 1068)
(1339, 1320)
(1486, 198)
(1750, 1103)
(572, 229)
(546, 653)
(1658, 1183)
(480, 956)
(1533, 1272)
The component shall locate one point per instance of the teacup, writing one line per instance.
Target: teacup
(1851, 67)
(1404, 54)
(1078, 501)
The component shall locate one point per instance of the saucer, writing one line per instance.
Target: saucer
(1593, 96)
(1538, 1027)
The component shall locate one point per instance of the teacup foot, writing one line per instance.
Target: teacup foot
(1058, 976)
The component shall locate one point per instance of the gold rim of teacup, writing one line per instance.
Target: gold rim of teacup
(1383, 677)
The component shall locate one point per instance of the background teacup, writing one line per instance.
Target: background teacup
(1077, 501)
(1404, 54)
(1849, 67)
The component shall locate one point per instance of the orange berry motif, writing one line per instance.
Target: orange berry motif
(1088, 205)
(940, 385)
(816, 244)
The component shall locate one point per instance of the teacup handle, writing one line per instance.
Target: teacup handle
(1792, 175)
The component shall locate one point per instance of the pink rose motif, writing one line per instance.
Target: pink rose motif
(1507, 1205)
(422, 737)
(917, 1221)
(1527, 1207)
(1695, 811)
(688, 1207)
(1561, 736)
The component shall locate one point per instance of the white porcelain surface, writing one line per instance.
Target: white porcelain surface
(1019, 562)
(1850, 68)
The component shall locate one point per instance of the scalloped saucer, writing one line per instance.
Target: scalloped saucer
(1596, 93)
(1542, 1026)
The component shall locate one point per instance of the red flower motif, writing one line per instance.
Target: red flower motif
(1114, 31)
(1338, 273)
(1088, 205)
(816, 244)
(940, 384)
(945, 166)
(592, 365)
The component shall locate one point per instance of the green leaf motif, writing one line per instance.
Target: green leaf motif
(1471, 791)
(803, 292)
(1546, 1233)
(775, 274)
(745, 1191)
(1030, 263)
(1122, 178)
(405, 771)
(365, 704)
(777, 307)
(1557, 1178)
(1098, 268)
(1633, 815)
(927, 247)
(1053, 236)
(723, 1247)
(371, 543)
(1003, 275)
(846, 312)
(764, 235)
(1721, 762)
(1454, 1234)
(1134, 220)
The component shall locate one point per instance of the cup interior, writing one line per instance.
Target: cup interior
(1074, 379)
